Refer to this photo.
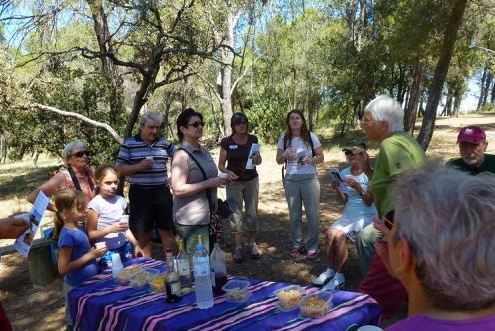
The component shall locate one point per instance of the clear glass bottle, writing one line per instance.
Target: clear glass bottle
(202, 280)
(172, 286)
(183, 266)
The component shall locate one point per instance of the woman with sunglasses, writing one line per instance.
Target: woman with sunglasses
(194, 194)
(78, 174)
(300, 150)
(358, 212)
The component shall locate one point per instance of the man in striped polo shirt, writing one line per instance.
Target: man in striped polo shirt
(143, 159)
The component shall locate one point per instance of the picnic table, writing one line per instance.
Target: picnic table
(102, 303)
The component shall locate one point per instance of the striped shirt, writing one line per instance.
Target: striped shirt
(133, 150)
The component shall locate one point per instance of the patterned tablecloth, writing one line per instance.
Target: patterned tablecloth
(101, 303)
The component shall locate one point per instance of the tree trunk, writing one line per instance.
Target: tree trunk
(457, 102)
(488, 83)
(166, 114)
(401, 84)
(482, 88)
(109, 69)
(447, 110)
(441, 70)
(414, 98)
(492, 99)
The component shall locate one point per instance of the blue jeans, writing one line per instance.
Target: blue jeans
(299, 190)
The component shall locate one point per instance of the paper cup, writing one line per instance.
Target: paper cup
(124, 219)
(101, 244)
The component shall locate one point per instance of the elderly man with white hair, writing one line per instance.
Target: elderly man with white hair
(383, 123)
(441, 248)
(143, 158)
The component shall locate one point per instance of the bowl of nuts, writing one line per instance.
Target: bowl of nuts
(316, 305)
(289, 297)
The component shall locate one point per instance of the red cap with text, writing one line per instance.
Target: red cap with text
(471, 134)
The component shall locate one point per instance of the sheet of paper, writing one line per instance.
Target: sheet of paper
(25, 240)
(255, 151)
(338, 177)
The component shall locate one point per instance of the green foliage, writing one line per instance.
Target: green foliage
(487, 107)
(267, 118)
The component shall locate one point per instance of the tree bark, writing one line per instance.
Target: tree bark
(482, 88)
(447, 110)
(441, 70)
(488, 83)
(457, 102)
(109, 69)
(414, 98)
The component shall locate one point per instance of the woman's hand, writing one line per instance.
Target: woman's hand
(290, 154)
(232, 175)
(256, 159)
(335, 185)
(219, 181)
(351, 182)
(308, 160)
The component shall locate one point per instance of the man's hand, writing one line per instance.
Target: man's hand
(12, 227)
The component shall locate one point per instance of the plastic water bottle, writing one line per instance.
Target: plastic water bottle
(201, 267)
(116, 264)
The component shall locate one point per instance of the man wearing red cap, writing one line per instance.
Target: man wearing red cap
(472, 147)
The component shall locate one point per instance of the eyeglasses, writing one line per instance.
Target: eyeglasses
(196, 124)
(364, 123)
(389, 219)
(82, 153)
(349, 153)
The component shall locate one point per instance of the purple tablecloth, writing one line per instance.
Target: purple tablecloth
(101, 303)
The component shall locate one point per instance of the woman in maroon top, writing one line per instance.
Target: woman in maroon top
(234, 150)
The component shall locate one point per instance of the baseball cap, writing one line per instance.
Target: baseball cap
(355, 146)
(471, 134)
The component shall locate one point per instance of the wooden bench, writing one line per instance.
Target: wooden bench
(41, 269)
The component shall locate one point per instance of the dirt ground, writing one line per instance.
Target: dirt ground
(34, 308)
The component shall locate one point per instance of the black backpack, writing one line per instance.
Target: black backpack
(286, 143)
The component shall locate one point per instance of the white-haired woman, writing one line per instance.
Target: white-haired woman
(398, 152)
(78, 174)
(441, 248)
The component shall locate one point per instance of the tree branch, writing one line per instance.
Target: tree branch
(234, 85)
(213, 88)
(83, 118)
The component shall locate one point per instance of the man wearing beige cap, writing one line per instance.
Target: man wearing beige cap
(472, 147)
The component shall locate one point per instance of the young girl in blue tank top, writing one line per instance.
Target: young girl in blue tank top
(107, 222)
(76, 258)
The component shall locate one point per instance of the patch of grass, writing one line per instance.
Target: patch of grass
(19, 178)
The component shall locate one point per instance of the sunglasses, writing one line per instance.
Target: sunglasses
(389, 219)
(196, 124)
(82, 153)
(349, 153)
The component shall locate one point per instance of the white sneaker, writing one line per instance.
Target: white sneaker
(336, 283)
(324, 277)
